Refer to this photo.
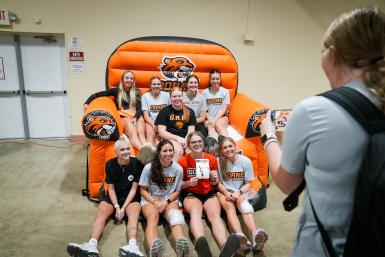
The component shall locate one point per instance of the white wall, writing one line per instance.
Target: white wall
(279, 69)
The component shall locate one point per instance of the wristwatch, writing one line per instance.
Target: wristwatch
(268, 136)
(168, 201)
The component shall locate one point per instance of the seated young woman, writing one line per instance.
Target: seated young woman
(122, 177)
(197, 102)
(236, 173)
(199, 194)
(160, 183)
(152, 103)
(218, 103)
(175, 122)
(128, 102)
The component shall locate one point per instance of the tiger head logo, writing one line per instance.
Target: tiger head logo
(100, 125)
(255, 120)
(176, 68)
(179, 124)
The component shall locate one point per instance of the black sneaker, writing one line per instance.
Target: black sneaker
(231, 246)
(202, 247)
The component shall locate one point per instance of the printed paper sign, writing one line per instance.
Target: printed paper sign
(75, 44)
(202, 168)
(77, 68)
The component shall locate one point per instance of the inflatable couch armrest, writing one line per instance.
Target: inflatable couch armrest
(102, 120)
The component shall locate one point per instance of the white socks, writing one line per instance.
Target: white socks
(93, 241)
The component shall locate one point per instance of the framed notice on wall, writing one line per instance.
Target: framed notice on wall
(2, 72)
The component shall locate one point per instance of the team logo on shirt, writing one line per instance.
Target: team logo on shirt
(130, 178)
(100, 125)
(233, 175)
(175, 69)
(255, 120)
(169, 180)
(179, 124)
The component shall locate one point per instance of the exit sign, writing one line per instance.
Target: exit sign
(4, 17)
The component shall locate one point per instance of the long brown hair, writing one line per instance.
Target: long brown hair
(156, 166)
(186, 111)
(359, 39)
(211, 73)
(122, 95)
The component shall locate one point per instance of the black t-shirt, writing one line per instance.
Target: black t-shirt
(123, 176)
(172, 119)
(125, 105)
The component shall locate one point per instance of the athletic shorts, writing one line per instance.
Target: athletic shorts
(201, 197)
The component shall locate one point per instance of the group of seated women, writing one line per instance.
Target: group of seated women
(158, 114)
(176, 123)
(163, 185)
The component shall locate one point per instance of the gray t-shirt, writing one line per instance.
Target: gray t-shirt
(216, 101)
(172, 176)
(154, 105)
(326, 144)
(197, 103)
(237, 174)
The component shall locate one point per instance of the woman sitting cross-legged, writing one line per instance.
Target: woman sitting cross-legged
(199, 194)
(160, 183)
(236, 173)
(122, 177)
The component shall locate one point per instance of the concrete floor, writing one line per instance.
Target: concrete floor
(42, 209)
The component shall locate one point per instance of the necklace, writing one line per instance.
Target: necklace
(123, 167)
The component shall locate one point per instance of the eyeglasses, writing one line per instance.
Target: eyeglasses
(196, 142)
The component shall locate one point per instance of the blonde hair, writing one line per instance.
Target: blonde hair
(122, 140)
(223, 160)
(359, 39)
(122, 95)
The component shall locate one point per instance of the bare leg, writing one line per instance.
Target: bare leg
(194, 206)
(130, 130)
(221, 125)
(176, 230)
(150, 134)
(178, 150)
(231, 212)
(141, 130)
(104, 212)
(211, 130)
(132, 212)
(212, 208)
(152, 216)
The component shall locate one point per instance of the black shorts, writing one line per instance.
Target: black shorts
(201, 197)
(121, 200)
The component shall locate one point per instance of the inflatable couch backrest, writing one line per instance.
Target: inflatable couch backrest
(172, 59)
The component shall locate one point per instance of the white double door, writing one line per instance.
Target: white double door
(33, 87)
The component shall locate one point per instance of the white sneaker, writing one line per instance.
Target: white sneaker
(130, 250)
(260, 237)
(157, 248)
(85, 249)
(182, 247)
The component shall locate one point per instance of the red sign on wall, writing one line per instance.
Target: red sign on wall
(76, 56)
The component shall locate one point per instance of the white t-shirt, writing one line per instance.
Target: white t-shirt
(197, 103)
(215, 101)
(237, 174)
(326, 144)
(172, 176)
(154, 105)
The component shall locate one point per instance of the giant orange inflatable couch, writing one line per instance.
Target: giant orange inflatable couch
(172, 59)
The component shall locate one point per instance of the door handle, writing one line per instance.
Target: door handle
(45, 92)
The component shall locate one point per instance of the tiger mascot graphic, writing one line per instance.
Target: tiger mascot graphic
(176, 68)
(252, 129)
(100, 125)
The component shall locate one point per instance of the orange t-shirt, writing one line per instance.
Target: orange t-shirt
(188, 164)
